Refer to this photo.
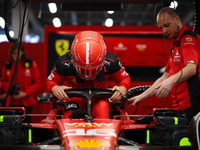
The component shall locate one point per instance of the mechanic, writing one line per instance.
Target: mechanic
(181, 75)
(87, 64)
(26, 82)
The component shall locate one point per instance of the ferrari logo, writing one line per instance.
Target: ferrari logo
(61, 46)
(8, 73)
(27, 64)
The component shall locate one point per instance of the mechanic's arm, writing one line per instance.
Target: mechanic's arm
(150, 91)
(54, 85)
(164, 88)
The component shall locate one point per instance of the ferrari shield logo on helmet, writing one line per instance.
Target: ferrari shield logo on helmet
(61, 46)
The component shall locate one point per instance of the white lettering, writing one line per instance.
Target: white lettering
(50, 76)
(88, 123)
(97, 132)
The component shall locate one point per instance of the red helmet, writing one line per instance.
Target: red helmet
(88, 53)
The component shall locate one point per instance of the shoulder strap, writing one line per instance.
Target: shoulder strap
(187, 32)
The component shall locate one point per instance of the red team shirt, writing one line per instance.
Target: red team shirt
(185, 49)
(27, 76)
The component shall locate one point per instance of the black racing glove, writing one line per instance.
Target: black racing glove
(14, 89)
(78, 114)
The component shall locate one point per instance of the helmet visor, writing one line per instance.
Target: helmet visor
(88, 72)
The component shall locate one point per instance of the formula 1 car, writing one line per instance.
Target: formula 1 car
(163, 128)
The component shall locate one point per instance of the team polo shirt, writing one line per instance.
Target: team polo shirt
(185, 50)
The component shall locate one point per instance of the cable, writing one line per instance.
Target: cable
(17, 59)
(15, 4)
(6, 8)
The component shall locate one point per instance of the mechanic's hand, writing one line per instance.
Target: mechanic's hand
(20, 95)
(164, 88)
(117, 96)
(135, 99)
(59, 92)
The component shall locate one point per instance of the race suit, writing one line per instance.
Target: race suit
(185, 50)
(27, 76)
(64, 73)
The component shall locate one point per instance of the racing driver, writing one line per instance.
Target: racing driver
(87, 64)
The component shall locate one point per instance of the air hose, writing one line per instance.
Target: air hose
(6, 9)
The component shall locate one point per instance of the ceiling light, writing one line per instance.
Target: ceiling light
(52, 8)
(32, 38)
(2, 22)
(109, 22)
(56, 22)
(173, 4)
(11, 33)
(110, 12)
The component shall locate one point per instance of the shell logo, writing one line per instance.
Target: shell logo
(141, 47)
(89, 143)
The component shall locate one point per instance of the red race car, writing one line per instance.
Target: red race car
(163, 128)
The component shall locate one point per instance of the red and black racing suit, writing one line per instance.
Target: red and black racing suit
(64, 73)
(185, 95)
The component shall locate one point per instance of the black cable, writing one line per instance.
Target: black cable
(27, 14)
(17, 60)
(197, 16)
(15, 4)
(15, 81)
(6, 8)
(20, 19)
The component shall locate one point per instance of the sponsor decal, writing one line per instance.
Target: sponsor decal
(188, 39)
(8, 73)
(120, 46)
(120, 64)
(74, 80)
(177, 53)
(27, 65)
(108, 62)
(88, 124)
(50, 76)
(61, 46)
(71, 106)
(141, 47)
(90, 132)
(190, 61)
(66, 64)
(28, 73)
(91, 35)
(90, 144)
(92, 125)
